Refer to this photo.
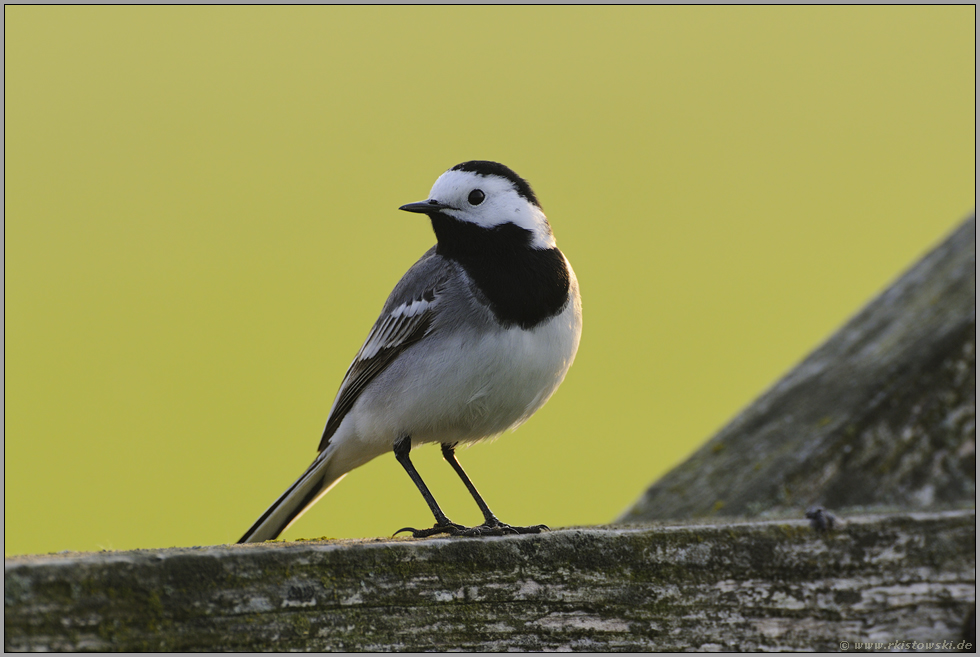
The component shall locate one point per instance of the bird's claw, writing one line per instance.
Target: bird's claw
(452, 529)
(509, 529)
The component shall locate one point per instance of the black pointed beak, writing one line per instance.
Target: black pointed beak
(424, 207)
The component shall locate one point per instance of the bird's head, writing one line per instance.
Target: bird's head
(487, 195)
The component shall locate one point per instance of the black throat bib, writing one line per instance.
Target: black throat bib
(525, 286)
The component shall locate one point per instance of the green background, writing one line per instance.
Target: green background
(201, 226)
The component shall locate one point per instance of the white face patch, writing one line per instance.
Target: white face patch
(501, 204)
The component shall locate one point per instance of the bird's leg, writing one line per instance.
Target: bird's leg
(443, 525)
(449, 453)
(491, 525)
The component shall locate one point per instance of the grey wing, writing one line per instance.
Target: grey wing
(405, 319)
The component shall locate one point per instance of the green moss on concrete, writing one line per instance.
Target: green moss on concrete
(596, 589)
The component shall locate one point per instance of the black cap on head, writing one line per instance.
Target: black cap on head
(487, 168)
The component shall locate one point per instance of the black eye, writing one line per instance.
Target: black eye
(476, 197)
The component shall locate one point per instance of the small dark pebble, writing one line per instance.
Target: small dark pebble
(821, 519)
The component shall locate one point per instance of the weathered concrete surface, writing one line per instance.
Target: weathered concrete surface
(749, 586)
(883, 414)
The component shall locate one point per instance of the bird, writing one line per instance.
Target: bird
(472, 341)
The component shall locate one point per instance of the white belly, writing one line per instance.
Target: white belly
(475, 386)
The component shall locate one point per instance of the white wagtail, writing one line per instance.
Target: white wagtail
(474, 339)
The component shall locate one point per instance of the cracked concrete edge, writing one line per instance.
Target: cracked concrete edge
(883, 413)
(747, 585)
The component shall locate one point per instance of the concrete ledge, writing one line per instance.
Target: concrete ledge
(736, 585)
(882, 414)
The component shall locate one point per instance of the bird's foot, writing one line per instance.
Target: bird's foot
(452, 529)
(486, 529)
(498, 528)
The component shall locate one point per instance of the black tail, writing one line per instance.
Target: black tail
(305, 491)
